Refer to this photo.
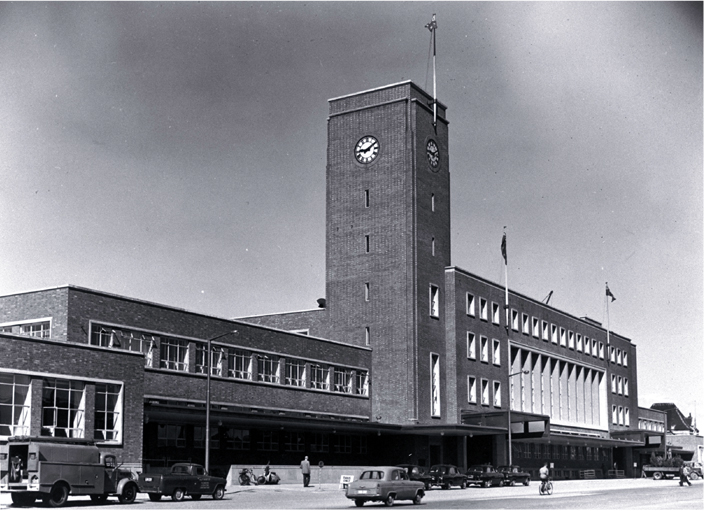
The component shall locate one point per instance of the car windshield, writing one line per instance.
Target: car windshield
(439, 470)
(372, 474)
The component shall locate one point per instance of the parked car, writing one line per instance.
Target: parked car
(184, 479)
(514, 475)
(418, 473)
(696, 469)
(485, 475)
(446, 476)
(384, 484)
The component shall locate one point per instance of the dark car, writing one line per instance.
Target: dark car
(384, 484)
(514, 475)
(485, 475)
(417, 473)
(446, 476)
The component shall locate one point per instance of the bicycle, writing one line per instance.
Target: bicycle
(246, 477)
(546, 487)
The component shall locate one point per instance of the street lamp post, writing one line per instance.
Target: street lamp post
(208, 397)
(509, 414)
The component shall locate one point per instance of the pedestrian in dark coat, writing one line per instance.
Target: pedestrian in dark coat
(306, 471)
(683, 472)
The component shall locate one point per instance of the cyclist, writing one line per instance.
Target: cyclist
(543, 475)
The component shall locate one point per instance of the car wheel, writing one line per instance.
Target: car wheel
(58, 496)
(178, 495)
(128, 495)
(501, 483)
(527, 481)
(417, 498)
(218, 493)
(389, 501)
(463, 485)
(658, 475)
(359, 502)
(486, 483)
(155, 497)
(693, 476)
(510, 482)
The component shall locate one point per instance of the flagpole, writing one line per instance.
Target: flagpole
(432, 27)
(506, 283)
(607, 308)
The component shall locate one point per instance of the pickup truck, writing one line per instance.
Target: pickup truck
(184, 479)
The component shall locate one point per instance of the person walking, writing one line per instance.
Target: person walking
(683, 472)
(306, 471)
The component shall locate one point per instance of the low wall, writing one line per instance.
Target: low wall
(291, 474)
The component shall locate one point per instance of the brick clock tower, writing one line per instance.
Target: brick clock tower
(388, 244)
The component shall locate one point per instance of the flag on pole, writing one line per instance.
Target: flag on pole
(608, 292)
(504, 247)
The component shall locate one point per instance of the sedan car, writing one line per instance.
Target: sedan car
(446, 476)
(417, 473)
(384, 484)
(514, 475)
(485, 475)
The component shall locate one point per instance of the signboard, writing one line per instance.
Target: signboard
(345, 481)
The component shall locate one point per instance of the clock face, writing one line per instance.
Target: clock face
(367, 149)
(432, 154)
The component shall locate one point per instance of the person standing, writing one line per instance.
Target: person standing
(683, 473)
(306, 471)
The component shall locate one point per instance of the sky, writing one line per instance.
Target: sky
(176, 153)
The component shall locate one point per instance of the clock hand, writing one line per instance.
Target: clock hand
(369, 148)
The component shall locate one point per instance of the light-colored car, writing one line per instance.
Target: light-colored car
(384, 484)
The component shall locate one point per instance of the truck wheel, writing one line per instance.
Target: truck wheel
(218, 493)
(178, 495)
(58, 496)
(24, 499)
(417, 498)
(129, 494)
(658, 475)
(99, 499)
(389, 501)
(359, 502)
(155, 497)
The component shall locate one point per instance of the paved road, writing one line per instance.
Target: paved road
(596, 494)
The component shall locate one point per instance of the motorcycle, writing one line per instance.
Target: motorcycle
(268, 477)
(246, 477)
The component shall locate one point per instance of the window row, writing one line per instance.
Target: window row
(484, 392)
(182, 436)
(484, 349)
(620, 415)
(651, 425)
(620, 385)
(240, 364)
(618, 356)
(559, 452)
(539, 329)
(34, 328)
(63, 409)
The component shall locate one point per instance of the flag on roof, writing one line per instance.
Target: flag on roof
(608, 292)
(504, 247)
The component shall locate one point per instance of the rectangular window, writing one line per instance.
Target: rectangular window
(63, 408)
(238, 439)
(613, 358)
(571, 340)
(433, 202)
(295, 373)
(495, 352)
(620, 388)
(602, 351)
(217, 356)
(619, 357)
(563, 337)
(15, 404)
(199, 437)
(472, 390)
(174, 354)
(367, 243)
(367, 336)
(293, 441)
(171, 435)
(626, 417)
(342, 444)
(471, 346)
(108, 412)
(554, 334)
(614, 414)
(34, 328)
(484, 355)
(485, 391)
(433, 246)
(626, 387)
(594, 348)
(267, 369)
(342, 381)
(515, 320)
(319, 377)
(434, 298)
(614, 384)
(544, 330)
(239, 364)
(621, 416)
(435, 385)
(483, 309)
(319, 443)
(495, 313)
(367, 198)
(361, 383)
(578, 342)
(126, 339)
(470, 305)
(525, 326)
(624, 359)
(269, 441)
(497, 394)
(367, 291)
